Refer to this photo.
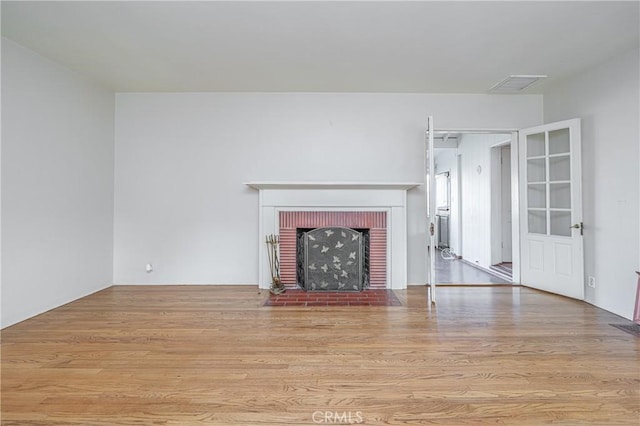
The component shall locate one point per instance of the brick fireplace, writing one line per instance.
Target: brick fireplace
(378, 207)
(374, 221)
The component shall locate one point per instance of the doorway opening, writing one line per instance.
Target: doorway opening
(474, 208)
(501, 211)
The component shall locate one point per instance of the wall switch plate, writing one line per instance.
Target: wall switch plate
(592, 282)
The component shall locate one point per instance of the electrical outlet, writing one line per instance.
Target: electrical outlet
(592, 282)
(148, 268)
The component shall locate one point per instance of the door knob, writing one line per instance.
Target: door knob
(579, 226)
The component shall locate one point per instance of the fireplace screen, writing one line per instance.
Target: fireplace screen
(333, 260)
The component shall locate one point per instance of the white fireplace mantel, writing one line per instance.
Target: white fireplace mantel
(332, 185)
(390, 197)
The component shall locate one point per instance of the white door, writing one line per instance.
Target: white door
(551, 208)
(430, 181)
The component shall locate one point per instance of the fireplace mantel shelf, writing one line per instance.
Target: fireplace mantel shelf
(260, 185)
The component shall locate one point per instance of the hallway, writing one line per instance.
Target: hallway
(455, 271)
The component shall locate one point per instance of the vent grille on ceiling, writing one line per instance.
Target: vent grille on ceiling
(516, 83)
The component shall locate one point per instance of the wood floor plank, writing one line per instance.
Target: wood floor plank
(215, 355)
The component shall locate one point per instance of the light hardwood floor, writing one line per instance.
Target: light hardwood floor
(214, 355)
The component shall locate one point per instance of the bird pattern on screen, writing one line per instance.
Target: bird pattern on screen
(333, 259)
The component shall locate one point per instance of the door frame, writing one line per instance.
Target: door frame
(497, 215)
(515, 188)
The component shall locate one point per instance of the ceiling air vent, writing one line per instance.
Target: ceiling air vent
(515, 83)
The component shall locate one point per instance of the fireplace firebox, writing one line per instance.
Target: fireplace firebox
(332, 259)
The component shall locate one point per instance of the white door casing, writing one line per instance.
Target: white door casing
(501, 203)
(551, 208)
(506, 222)
(391, 197)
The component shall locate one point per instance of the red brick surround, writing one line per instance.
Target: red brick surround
(376, 222)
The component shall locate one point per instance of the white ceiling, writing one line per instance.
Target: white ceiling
(326, 46)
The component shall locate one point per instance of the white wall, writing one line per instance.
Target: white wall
(606, 98)
(182, 158)
(57, 185)
(475, 151)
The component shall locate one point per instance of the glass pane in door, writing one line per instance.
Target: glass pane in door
(560, 223)
(560, 168)
(536, 170)
(560, 195)
(537, 195)
(535, 145)
(537, 221)
(559, 142)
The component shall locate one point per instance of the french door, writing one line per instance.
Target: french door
(430, 182)
(551, 224)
